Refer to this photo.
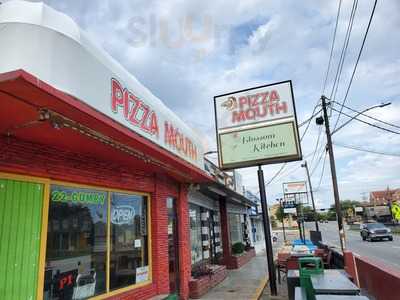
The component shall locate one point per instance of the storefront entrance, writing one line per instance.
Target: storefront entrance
(173, 247)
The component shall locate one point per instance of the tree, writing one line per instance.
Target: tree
(347, 207)
(280, 214)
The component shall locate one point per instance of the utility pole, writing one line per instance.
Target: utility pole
(312, 195)
(267, 232)
(333, 173)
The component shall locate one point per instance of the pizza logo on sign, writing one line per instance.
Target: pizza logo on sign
(230, 104)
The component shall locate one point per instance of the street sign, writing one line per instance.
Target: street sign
(358, 209)
(257, 126)
(292, 211)
(298, 187)
(290, 203)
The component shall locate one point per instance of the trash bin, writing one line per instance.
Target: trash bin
(308, 266)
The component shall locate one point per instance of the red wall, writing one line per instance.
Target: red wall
(379, 280)
(36, 160)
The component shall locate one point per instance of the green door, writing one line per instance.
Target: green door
(20, 224)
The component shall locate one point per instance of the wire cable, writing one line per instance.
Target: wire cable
(368, 116)
(318, 161)
(356, 64)
(322, 172)
(365, 122)
(332, 47)
(344, 49)
(367, 150)
(307, 121)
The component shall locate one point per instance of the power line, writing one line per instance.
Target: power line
(316, 145)
(276, 174)
(368, 116)
(367, 150)
(318, 161)
(310, 118)
(356, 64)
(307, 121)
(344, 48)
(322, 172)
(332, 47)
(365, 122)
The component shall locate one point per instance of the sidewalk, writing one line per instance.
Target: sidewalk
(246, 283)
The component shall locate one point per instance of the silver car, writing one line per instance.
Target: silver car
(375, 231)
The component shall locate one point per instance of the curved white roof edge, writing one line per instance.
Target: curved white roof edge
(58, 40)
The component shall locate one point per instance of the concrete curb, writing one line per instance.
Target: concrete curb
(260, 289)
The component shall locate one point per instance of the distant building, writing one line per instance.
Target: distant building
(384, 197)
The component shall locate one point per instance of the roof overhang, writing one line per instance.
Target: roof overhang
(216, 190)
(35, 111)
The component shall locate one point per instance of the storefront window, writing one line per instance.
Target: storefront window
(195, 233)
(235, 228)
(129, 248)
(76, 243)
(77, 239)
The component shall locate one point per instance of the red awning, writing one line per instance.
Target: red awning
(34, 111)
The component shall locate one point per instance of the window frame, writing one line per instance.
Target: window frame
(240, 227)
(199, 262)
(47, 182)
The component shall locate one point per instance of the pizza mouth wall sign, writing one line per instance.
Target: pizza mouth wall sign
(257, 126)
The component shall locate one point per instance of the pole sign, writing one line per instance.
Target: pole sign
(257, 126)
(298, 187)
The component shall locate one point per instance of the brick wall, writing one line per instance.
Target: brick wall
(236, 262)
(185, 262)
(38, 160)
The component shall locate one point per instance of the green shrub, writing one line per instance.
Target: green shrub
(238, 248)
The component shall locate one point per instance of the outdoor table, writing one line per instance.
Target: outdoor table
(340, 297)
(293, 279)
(333, 283)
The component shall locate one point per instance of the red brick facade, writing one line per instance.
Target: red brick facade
(43, 161)
(237, 261)
(200, 286)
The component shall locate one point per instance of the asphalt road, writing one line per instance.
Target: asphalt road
(384, 251)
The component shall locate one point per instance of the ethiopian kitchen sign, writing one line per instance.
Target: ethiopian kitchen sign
(257, 126)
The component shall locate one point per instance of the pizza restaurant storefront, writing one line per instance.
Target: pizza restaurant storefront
(94, 170)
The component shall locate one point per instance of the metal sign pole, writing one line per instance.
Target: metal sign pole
(267, 232)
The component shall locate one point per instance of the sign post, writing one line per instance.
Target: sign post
(293, 189)
(255, 127)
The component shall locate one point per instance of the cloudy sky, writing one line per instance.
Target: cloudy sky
(186, 52)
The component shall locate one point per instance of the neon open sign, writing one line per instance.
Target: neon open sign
(123, 214)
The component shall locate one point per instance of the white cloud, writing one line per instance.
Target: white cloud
(256, 42)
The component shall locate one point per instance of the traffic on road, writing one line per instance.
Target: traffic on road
(385, 250)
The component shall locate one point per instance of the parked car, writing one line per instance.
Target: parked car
(375, 231)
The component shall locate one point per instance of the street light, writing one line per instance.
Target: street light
(360, 113)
